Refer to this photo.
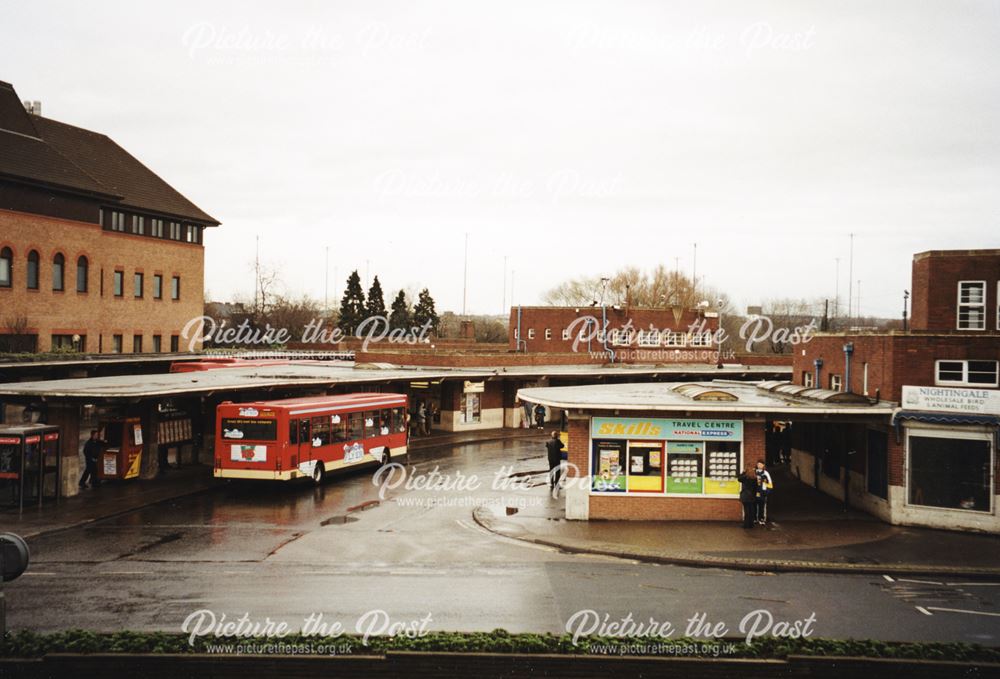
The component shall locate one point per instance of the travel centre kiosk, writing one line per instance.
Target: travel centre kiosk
(666, 451)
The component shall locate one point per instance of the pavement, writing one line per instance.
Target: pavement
(115, 498)
(809, 532)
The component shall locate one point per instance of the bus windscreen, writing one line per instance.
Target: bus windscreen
(249, 429)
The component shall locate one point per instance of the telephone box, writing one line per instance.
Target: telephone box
(30, 464)
(121, 453)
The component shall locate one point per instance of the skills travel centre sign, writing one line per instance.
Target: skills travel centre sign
(953, 400)
(662, 429)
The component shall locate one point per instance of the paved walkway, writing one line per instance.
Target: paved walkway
(119, 497)
(810, 532)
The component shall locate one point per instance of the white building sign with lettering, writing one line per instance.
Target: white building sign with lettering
(952, 400)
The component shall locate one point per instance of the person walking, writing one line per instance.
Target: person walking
(764, 486)
(554, 448)
(540, 416)
(418, 419)
(91, 454)
(748, 495)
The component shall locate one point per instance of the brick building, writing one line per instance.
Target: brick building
(622, 334)
(934, 463)
(97, 253)
(672, 451)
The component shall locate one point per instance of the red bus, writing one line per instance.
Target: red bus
(308, 437)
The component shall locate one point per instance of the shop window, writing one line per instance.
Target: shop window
(723, 463)
(320, 431)
(972, 305)
(608, 467)
(807, 378)
(82, 273)
(471, 406)
(685, 466)
(836, 382)
(877, 464)
(33, 262)
(966, 373)
(953, 473)
(6, 267)
(58, 272)
(645, 467)
(118, 283)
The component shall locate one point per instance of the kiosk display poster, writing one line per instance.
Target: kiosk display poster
(645, 469)
(685, 461)
(608, 467)
(723, 460)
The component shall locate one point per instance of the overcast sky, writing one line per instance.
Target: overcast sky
(573, 137)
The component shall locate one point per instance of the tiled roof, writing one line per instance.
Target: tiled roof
(45, 151)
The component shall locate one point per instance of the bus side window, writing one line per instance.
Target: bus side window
(398, 421)
(304, 430)
(293, 431)
(371, 423)
(321, 430)
(355, 426)
(384, 422)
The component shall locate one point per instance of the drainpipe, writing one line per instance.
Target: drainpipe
(520, 339)
(848, 351)
(604, 327)
(818, 365)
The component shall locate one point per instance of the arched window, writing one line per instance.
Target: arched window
(33, 270)
(81, 274)
(6, 267)
(58, 272)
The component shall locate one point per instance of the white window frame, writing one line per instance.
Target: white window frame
(565, 333)
(621, 338)
(836, 382)
(649, 338)
(964, 382)
(700, 339)
(548, 333)
(517, 334)
(807, 379)
(971, 305)
(672, 338)
(864, 379)
(531, 333)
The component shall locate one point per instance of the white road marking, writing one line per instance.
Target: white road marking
(973, 584)
(888, 579)
(960, 610)
(921, 582)
(924, 610)
(38, 573)
(125, 573)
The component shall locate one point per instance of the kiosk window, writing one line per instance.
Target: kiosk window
(645, 467)
(723, 465)
(685, 466)
(608, 467)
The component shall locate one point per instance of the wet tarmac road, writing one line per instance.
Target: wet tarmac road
(285, 552)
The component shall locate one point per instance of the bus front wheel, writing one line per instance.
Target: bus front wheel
(318, 473)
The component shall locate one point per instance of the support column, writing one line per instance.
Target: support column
(66, 415)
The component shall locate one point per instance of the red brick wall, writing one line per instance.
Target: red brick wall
(557, 319)
(893, 359)
(92, 313)
(935, 286)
